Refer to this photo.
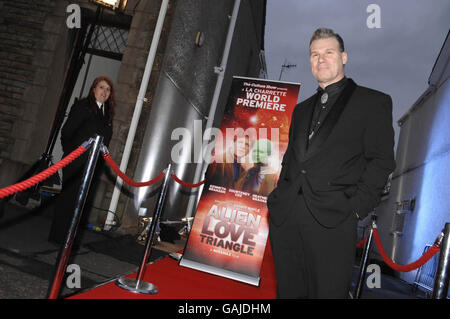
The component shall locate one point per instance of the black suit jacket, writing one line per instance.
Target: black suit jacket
(85, 120)
(344, 167)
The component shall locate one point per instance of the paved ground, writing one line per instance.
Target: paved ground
(27, 259)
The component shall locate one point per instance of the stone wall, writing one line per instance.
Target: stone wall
(32, 46)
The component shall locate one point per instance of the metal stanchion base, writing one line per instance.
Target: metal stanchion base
(176, 256)
(133, 285)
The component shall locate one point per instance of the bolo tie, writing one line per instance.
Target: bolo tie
(324, 98)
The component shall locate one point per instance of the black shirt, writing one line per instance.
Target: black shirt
(321, 110)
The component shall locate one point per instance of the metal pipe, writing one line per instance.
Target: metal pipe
(212, 111)
(364, 259)
(137, 113)
(138, 285)
(64, 253)
(441, 281)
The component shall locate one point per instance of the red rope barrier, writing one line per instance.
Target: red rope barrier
(125, 178)
(404, 268)
(179, 181)
(361, 243)
(6, 191)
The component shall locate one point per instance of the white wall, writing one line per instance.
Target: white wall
(423, 170)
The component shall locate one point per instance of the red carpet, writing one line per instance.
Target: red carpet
(177, 282)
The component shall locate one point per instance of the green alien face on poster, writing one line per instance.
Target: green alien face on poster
(261, 151)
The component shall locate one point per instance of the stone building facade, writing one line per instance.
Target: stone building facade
(32, 49)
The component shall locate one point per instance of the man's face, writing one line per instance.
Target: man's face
(327, 61)
(242, 146)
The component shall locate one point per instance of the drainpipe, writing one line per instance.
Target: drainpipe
(220, 70)
(137, 113)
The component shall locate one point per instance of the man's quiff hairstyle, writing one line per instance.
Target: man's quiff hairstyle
(324, 33)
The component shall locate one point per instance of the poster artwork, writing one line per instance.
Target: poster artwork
(230, 229)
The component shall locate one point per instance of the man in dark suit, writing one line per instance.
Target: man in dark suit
(338, 159)
(228, 167)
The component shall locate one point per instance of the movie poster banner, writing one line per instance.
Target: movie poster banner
(229, 233)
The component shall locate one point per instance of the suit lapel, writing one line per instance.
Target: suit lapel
(105, 116)
(331, 119)
(304, 118)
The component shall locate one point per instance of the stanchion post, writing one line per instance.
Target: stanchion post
(441, 281)
(64, 253)
(138, 285)
(364, 259)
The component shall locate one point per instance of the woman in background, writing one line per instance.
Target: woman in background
(89, 116)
